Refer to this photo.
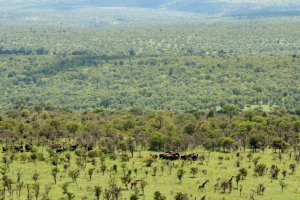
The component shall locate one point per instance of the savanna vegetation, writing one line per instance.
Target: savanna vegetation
(196, 66)
(205, 110)
(55, 153)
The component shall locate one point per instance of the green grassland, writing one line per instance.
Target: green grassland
(226, 142)
(164, 181)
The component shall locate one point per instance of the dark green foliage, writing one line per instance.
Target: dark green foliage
(181, 196)
(200, 71)
(260, 169)
(159, 196)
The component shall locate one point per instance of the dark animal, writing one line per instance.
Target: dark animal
(27, 147)
(73, 147)
(191, 156)
(133, 184)
(19, 148)
(169, 155)
(229, 183)
(4, 149)
(154, 156)
(202, 186)
(55, 146)
(88, 147)
(60, 150)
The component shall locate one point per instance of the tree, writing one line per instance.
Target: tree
(90, 172)
(35, 176)
(131, 52)
(254, 142)
(181, 196)
(98, 191)
(243, 172)
(122, 146)
(19, 186)
(180, 174)
(126, 180)
(74, 174)
(283, 185)
(260, 189)
(73, 127)
(131, 146)
(260, 169)
(134, 197)
(274, 171)
(226, 143)
(143, 185)
(103, 168)
(278, 143)
(194, 171)
(36, 189)
(54, 173)
(237, 180)
(231, 110)
(159, 196)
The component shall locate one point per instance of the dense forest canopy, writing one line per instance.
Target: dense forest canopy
(155, 130)
(196, 66)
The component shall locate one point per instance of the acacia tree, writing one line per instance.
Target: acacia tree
(98, 191)
(231, 110)
(159, 196)
(90, 172)
(143, 185)
(181, 196)
(54, 173)
(74, 174)
(194, 171)
(180, 174)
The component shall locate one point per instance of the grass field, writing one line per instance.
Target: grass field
(164, 181)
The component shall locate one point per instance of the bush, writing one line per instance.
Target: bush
(33, 156)
(78, 153)
(93, 154)
(260, 169)
(40, 156)
(181, 196)
(124, 158)
(148, 161)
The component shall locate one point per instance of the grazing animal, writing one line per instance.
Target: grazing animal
(169, 155)
(60, 150)
(55, 146)
(88, 147)
(216, 186)
(229, 182)
(4, 149)
(27, 147)
(19, 148)
(73, 147)
(191, 156)
(154, 156)
(133, 184)
(202, 186)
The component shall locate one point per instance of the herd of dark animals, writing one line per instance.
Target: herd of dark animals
(169, 155)
(56, 147)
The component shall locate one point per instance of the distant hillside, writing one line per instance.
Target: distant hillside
(220, 7)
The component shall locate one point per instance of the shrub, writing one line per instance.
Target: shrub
(124, 158)
(93, 154)
(260, 169)
(148, 161)
(181, 196)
